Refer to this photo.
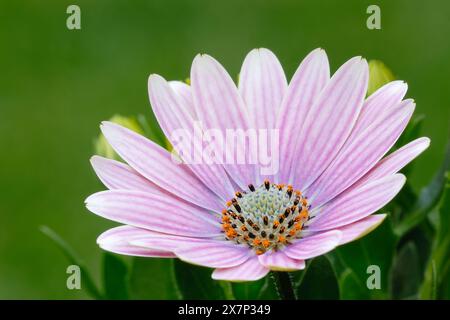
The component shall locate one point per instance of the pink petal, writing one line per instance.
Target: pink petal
(173, 116)
(379, 102)
(157, 165)
(262, 85)
(313, 245)
(219, 106)
(360, 153)
(164, 242)
(360, 228)
(118, 239)
(304, 88)
(356, 203)
(396, 160)
(213, 253)
(185, 93)
(280, 261)
(330, 121)
(250, 270)
(117, 175)
(154, 212)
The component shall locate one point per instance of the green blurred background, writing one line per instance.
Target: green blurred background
(56, 85)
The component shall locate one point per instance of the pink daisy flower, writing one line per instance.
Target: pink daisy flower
(230, 217)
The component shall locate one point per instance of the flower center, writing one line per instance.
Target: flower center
(265, 218)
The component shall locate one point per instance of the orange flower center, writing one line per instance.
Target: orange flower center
(265, 218)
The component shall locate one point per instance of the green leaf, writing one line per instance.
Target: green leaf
(227, 290)
(195, 282)
(351, 287)
(438, 266)
(443, 232)
(262, 289)
(379, 75)
(444, 292)
(428, 198)
(86, 280)
(429, 287)
(153, 278)
(319, 281)
(248, 290)
(377, 248)
(402, 204)
(406, 275)
(115, 277)
(433, 280)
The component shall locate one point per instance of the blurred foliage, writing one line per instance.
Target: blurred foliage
(153, 279)
(377, 248)
(263, 289)
(317, 281)
(379, 75)
(437, 272)
(86, 280)
(195, 282)
(406, 272)
(115, 277)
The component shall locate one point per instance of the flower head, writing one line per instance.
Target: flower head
(231, 215)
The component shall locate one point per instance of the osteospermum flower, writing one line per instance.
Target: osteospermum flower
(230, 217)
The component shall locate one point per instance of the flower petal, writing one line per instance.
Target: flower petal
(154, 212)
(220, 107)
(117, 175)
(380, 102)
(164, 242)
(394, 162)
(279, 261)
(304, 88)
(157, 165)
(118, 239)
(330, 121)
(356, 203)
(360, 153)
(313, 245)
(213, 253)
(360, 228)
(262, 85)
(174, 117)
(185, 93)
(250, 270)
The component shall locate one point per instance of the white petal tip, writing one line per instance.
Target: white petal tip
(202, 57)
(110, 129)
(92, 200)
(364, 65)
(400, 179)
(155, 78)
(107, 124)
(99, 161)
(425, 142)
(404, 83)
(95, 158)
(318, 50)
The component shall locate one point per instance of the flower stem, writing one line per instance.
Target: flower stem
(283, 284)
